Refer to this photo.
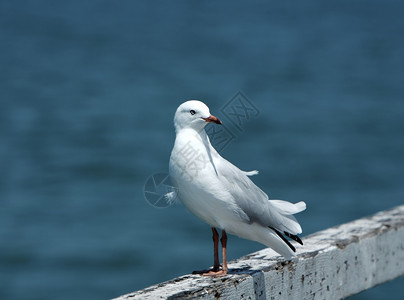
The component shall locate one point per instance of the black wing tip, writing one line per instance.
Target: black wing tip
(284, 239)
(293, 237)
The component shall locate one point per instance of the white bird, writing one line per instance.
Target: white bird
(222, 195)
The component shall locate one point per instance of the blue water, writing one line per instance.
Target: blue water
(88, 93)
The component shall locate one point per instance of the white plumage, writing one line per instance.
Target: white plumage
(219, 193)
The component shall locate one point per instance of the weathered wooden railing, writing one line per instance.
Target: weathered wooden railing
(334, 263)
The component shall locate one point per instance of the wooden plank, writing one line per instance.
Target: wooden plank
(333, 263)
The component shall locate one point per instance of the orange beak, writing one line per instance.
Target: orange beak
(212, 119)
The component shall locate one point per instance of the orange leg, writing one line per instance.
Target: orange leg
(223, 240)
(216, 271)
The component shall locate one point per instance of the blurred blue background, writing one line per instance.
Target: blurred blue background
(88, 94)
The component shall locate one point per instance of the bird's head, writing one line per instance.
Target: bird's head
(193, 114)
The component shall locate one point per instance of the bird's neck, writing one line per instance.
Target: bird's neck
(192, 133)
(192, 138)
(186, 135)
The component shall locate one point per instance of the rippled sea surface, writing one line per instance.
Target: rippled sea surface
(88, 94)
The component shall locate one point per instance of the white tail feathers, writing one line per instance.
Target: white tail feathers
(287, 208)
(251, 173)
(287, 222)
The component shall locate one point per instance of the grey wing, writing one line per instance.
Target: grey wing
(254, 202)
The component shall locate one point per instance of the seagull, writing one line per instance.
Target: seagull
(222, 195)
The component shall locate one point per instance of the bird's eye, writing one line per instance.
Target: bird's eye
(192, 112)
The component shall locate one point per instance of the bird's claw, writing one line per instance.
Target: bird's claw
(215, 271)
(218, 273)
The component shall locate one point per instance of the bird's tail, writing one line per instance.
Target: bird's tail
(286, 210)
(287, 226)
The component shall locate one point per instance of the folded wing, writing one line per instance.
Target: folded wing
(275, 214)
